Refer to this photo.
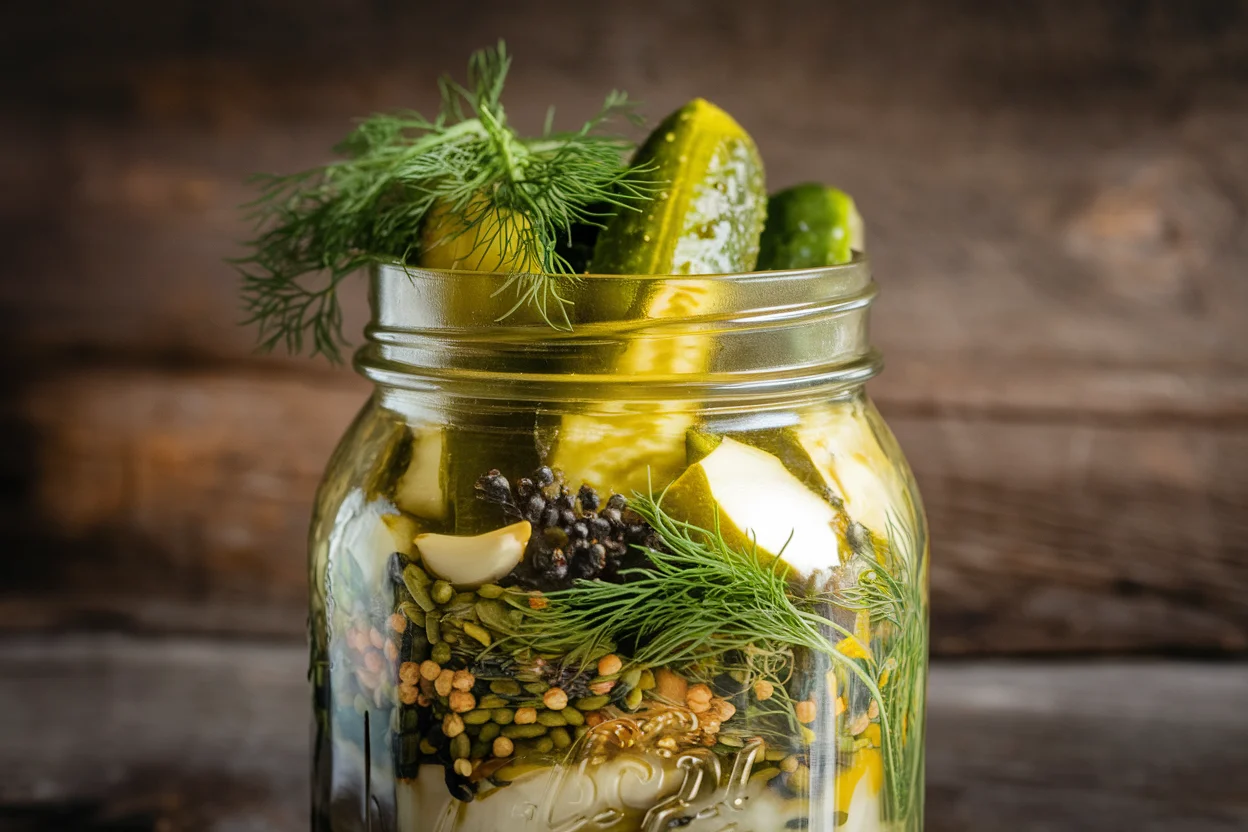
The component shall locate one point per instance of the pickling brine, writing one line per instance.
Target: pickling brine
(666, 570)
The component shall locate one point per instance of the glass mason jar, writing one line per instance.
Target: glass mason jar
(665, 567)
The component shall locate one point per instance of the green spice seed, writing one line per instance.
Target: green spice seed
(646, 682)
(427, 747)
(441, 653)
(505, 687)
(490, 591)
(414, 613)
(477, 717)
(524, 732)
(581, 730)
(503, 716)
(450, 638)
(732, 740)
(544, 746)
(491, 701)
(515, 618)
(416, 581)
(493, 615)
(799, 781)
(572, 716)
(808, 736)
(433, 629)
(537, 688)
(465, 599)
(764, 775)
(480, 749)
(631, 678)
(591, 703)
(489, 731)
(461, 747)
(478, 632)
(552, 719)
(561, 738)
(633, 700)
(775, 756)
(442, 592)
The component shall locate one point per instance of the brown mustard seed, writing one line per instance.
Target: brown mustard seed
(806, 711)
(873, 710)
(461, 701)
(423, 701)
(789, 764)
(430, 669)
(409, 673)
(537, 602)
(463, 768)
(408, 694)
(609, 665)
(398, 622)
(723, 709)
(392, 652)
(452, 725)
(699, 693)
(600, 688)
(442, 684)
(859, 724)
(463, 680)
(555, 699)
(699, 707)
(763, 690)
(503, 747)
(526, 716)
(594, 718)
(376, 638)
(840, 705)
(373, 661)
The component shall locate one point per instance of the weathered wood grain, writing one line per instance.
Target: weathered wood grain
(168, 500)
(1055, 194)
(196, 735)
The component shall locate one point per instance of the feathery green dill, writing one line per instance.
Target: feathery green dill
(890, 590)
(699, 602)
(316, 227)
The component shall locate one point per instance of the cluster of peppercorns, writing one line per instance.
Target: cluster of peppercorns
(575, 536)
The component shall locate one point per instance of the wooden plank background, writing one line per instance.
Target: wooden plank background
(1057, 202)
(193, 734)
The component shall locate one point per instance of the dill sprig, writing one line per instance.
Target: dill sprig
(316, 227)
(699, 601)
(890, 590)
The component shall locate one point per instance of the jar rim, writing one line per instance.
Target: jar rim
(747, 335)
(860, 260)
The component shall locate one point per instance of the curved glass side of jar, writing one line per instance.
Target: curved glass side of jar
(657, 572)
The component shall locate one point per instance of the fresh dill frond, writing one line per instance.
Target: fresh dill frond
(319, 226)
(700, 601)
(890, 590)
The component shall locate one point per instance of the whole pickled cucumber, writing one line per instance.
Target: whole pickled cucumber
(705, 218)
(709, 207)
(808, 226)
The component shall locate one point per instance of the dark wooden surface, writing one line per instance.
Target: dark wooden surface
(1056, 199)
(180, 735)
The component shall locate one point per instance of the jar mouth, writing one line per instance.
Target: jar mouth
(859, 261)
(640, 337)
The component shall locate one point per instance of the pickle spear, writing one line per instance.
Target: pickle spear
(809, 226)
(708, 212)
(705, 218)
(446, 462)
